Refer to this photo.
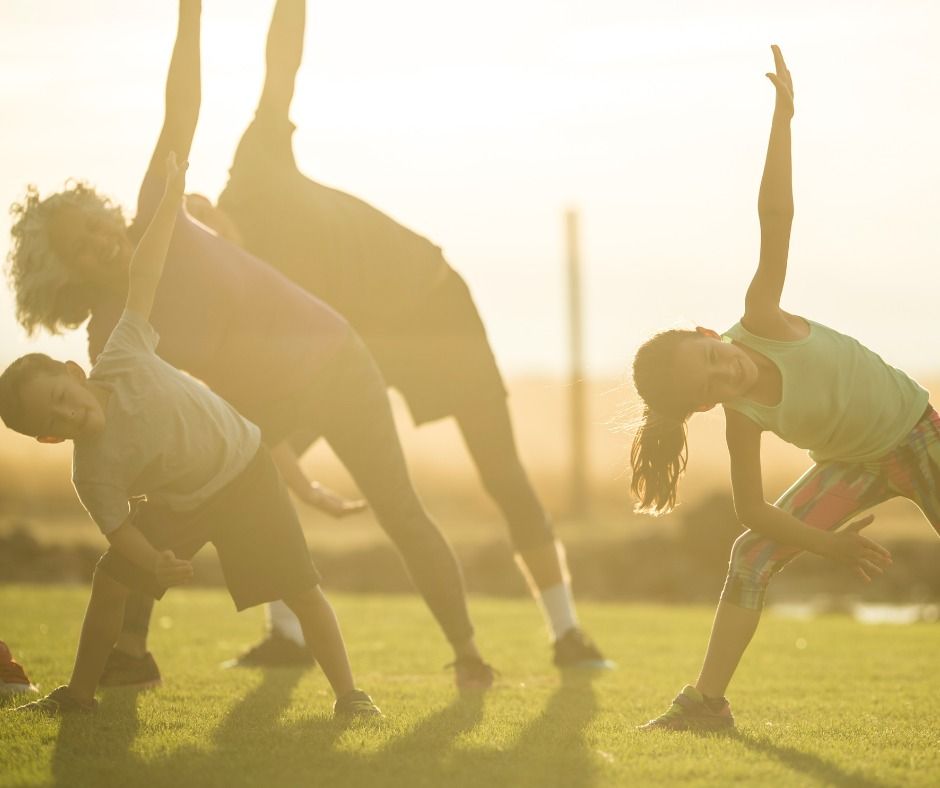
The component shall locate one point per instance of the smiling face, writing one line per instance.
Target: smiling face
(60, 406)
(93, 244)
(713, 371)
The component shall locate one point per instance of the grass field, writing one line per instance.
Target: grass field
(822, 702)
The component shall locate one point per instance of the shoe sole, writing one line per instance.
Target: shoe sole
(18, 689)
(718, 727)
(137, 685)
(591, 665)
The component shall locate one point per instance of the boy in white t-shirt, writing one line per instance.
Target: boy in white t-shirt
(140, 427)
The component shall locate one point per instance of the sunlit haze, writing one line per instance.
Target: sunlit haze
(478, 124)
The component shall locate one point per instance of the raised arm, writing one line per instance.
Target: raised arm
(775, 210)
(183, 89)
(146, 266)
(283, 55)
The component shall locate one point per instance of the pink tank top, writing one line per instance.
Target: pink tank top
(231, 320)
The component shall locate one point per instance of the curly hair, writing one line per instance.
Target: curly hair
(660, 448)
(47, 293)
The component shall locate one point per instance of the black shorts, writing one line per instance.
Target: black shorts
(253, 525)
(438, 356)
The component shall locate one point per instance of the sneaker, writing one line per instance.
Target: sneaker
(124, 670)
(575, 650)
(690, 712)
(13, 678)
(275, 651)
(472, 673)
(57, 702)
(355, 703)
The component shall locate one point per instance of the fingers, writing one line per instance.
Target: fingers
(176, 575)
(779, 63)
(857, 525)
(351, 507)
(173, 571)
(871, 568)
(882, 554)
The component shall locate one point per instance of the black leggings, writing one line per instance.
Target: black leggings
(487, 431)
(348, 405)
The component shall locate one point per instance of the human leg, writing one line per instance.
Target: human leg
(357, 422)
(100, 629)
(825, 497)
(322, 632)
(488, 434)
(132, 639)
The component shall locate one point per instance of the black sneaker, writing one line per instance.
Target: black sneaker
(275, 651)
(472, 673)
(575, 650)
(355, 703)
(57, 702)
(124, 670)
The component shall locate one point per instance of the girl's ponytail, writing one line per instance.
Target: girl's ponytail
(660, 448)
(659, 455)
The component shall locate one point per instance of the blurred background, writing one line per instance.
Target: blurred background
(479, 126)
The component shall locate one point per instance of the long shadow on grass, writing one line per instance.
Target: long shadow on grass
(95, 750)
(807, 763)
(91, 748)
(550, 751)
(251, 746)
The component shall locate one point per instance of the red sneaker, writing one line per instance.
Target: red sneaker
(13, 679)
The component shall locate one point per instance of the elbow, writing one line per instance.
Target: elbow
(749, 514)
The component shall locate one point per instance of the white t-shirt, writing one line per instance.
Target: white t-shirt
(166, 435)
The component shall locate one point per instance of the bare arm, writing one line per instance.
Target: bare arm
(775, 210)
(284, 51)
(310, 492)
(133, 545)
(146, 266)
(183, 88)
(865, 557)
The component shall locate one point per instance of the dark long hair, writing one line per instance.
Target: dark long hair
(660, 448)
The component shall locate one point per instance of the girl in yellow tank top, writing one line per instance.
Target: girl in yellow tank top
(868, 427)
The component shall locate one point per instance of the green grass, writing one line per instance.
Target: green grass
(824, 702)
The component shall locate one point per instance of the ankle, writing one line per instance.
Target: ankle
(467, 650)
(131, 645)
(81, 697)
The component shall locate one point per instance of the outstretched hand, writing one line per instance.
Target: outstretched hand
(866, 558)
(334, 504)
(172, 571)
(783, 83)
(175, 175)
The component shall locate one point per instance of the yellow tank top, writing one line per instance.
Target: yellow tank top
(840, 400)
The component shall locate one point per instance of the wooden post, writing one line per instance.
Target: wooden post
(578, 479)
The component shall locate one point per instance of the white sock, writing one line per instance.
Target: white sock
(282, 621)
(558, 608)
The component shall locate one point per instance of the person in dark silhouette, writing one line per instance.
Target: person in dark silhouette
(412, 310)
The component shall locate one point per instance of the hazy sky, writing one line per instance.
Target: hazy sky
(476, 124)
